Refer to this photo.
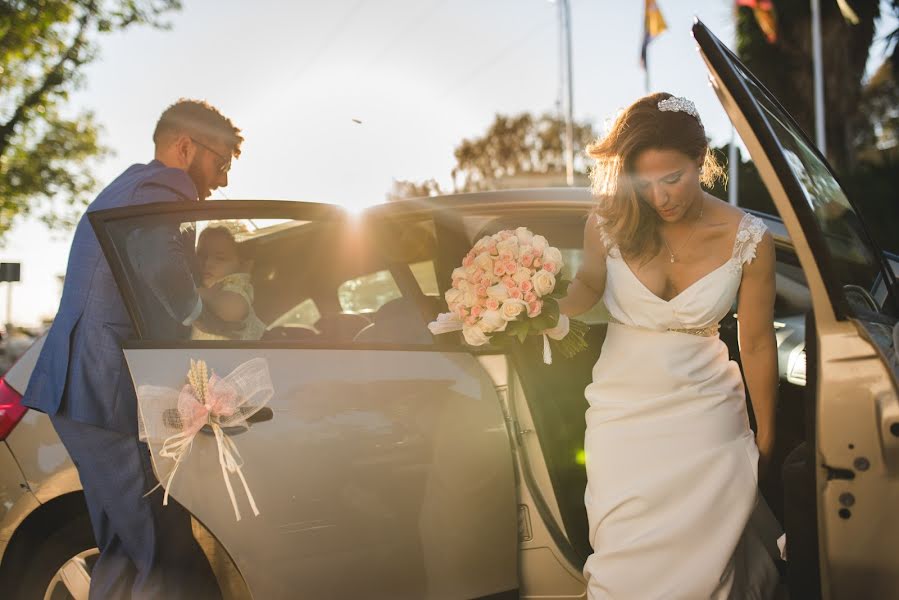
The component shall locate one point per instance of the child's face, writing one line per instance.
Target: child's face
(218, 257)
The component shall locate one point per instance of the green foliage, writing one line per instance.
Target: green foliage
(46, 155)
(403, 188)
(785, 67)
(523, 144)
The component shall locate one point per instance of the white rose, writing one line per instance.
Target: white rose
(492, 320)
(499, 292)
(453, 296)
(484, 262)
(469, 298)
(474, 335)
(512, 309)
(459, 273)
(521, 275)
(544, 282)
(482, 243)
(510, 245)
(524, 236)
(539, 243)
(551, 254)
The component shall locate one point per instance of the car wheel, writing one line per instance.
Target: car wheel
(61, 565)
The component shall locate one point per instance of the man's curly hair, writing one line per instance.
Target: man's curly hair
(198, 118)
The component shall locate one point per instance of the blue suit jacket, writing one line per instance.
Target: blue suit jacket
(81, 372)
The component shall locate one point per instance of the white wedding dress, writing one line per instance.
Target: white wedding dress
(671, 460)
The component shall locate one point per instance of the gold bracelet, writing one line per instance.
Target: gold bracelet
(587, 285)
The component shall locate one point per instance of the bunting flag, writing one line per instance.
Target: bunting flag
(653, 25)
(764, 16)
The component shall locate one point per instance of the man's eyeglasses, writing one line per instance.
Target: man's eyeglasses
(224, 163)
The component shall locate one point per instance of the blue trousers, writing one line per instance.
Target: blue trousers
(147, 550)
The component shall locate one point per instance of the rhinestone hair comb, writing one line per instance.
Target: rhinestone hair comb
(679, 104)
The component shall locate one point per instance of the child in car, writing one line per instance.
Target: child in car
(226, 288)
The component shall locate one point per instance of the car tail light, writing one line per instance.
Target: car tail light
(11, 409)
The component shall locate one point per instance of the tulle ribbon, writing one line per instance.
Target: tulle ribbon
(174, 417)
(449, 322)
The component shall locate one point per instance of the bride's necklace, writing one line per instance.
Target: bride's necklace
(692, 231)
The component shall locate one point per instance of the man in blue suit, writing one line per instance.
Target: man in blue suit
(81, 380)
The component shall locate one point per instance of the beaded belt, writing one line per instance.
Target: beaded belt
(701, 331)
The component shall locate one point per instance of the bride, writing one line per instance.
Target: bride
(671, 460)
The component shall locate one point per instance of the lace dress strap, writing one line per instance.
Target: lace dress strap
(749, 234)
(611, 248)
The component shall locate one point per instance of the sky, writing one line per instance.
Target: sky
(420, 75)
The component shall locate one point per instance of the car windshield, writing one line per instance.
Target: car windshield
(853, 258)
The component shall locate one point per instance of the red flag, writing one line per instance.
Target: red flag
(764, 16)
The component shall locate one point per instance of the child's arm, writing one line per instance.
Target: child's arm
(228, 306)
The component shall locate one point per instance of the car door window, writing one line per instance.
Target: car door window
(322, 281)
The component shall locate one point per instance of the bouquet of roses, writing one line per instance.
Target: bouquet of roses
(508, 288)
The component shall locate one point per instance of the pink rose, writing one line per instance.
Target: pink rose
(471, 321)
(551, 267)
(526, 286)
(468, 260)
(509, 282)
(492, 304)
(510, 266)
(534, 308)
(477, 311)
(515, 294)
(530, 297)
(527, 260)
(499, 269)
(482, 291)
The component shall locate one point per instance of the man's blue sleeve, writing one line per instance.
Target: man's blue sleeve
(161, 253)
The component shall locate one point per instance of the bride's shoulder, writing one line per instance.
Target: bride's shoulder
(595, 234)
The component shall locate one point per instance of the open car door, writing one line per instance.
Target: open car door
(857, 412)
(381, 464)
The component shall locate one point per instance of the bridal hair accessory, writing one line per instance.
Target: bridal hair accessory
(173, 418)
(679, 104)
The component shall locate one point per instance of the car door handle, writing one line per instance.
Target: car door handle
(260, 416)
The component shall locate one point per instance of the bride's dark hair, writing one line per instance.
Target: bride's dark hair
(628, 222)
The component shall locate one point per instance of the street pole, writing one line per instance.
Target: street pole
(818, 70)
(565, 14)
(733, 167)
(8, 307)
(733, 170)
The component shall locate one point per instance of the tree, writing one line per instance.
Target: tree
(785, 67)
(517, 145)
(45, 154)
(879, 140)
(403, 188)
